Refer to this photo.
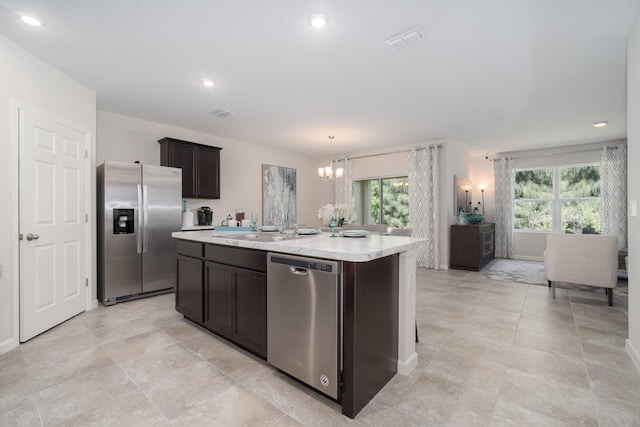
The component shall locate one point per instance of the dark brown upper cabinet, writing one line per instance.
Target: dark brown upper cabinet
(200, 166)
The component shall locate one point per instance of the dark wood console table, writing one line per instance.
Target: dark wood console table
(472, 246)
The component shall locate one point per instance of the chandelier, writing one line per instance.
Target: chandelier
(329, 173)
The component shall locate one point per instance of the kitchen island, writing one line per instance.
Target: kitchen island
(378, 301)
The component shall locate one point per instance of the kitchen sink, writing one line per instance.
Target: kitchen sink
(265, 237)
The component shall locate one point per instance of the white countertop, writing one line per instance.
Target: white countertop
(354, 249)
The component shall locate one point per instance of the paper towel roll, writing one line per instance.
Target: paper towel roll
(187, 219)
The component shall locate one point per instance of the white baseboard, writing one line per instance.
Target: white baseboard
(94, 304)
(8, 345)
(528, 258)
(406, 366)
(633, 353)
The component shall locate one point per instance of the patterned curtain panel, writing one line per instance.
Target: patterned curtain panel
(424, 202)
(613, 192)
(504, 171)
(342, 189)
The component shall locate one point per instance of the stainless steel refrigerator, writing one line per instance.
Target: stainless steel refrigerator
(139, 206)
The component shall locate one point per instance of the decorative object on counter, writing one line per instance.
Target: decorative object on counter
(482, 188)
(205, 216)
(345, 212)
(333, 221)
(229, 222)
(239, 214)
(354, 233)
(254, 221)
(331, 172)
(278, 194)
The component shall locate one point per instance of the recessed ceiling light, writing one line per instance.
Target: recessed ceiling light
(207, 82)
(318, 20)
(29, 19)
(600, 124)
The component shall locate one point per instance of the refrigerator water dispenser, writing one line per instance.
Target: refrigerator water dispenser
(123, 221)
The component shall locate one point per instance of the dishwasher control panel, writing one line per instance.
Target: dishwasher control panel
(305, 263)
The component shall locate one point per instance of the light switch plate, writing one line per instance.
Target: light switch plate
(633, 208)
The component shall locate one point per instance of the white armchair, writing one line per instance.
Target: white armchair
(585, 259)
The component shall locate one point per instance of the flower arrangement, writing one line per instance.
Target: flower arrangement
(346, 213)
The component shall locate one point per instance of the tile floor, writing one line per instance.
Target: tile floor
(491, 354)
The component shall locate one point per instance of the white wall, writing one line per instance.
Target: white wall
(26, 79)
(633, 177)
(127, 139)
(531, 245)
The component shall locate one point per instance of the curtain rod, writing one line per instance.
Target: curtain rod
(534, 156)
(385, 154)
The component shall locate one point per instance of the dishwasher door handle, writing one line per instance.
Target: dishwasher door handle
(298, 271)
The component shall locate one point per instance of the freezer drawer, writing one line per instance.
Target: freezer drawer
(304, 320)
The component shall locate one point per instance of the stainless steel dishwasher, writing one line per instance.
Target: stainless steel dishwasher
(304, 320)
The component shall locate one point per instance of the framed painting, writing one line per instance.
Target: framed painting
(278, 194)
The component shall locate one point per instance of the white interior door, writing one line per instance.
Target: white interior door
(52, 208)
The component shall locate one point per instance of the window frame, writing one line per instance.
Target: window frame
(556, 201)
(363, 209)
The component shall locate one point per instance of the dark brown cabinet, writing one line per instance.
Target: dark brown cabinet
(189, 287)
(225, 290)
(472, 246)
(200, 166)
(236, 305)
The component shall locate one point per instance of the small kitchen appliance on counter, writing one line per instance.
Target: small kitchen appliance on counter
(205, 216)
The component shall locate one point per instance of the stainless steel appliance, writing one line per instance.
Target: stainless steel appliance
(304, 329)
(139, 206)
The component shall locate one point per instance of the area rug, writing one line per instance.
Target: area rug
(532, 273)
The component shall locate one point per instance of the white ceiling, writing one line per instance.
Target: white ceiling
(493, 75)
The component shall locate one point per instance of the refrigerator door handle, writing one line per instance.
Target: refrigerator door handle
(140, 225)
(145, 212)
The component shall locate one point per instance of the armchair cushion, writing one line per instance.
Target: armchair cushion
(584, 259)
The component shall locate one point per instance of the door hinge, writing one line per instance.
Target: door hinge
(20, 236)
(86, 282)
(86, 153)
(86, 217)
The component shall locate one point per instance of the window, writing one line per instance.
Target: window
(562, 198)
(382, 201)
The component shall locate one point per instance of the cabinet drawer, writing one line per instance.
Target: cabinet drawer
(238, 257)
(192, 249)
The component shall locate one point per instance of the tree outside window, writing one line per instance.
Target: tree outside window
(563, 198)
(382, 201)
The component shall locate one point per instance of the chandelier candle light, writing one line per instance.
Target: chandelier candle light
(329, 173)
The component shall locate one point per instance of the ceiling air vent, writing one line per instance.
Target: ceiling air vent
(405, 40)
(221, 114)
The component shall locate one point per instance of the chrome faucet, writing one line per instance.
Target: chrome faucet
(281, 222)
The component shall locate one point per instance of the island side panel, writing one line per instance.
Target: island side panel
(407, 327)
(370, 330)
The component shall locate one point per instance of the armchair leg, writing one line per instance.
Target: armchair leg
(610, 295)
(553, 288)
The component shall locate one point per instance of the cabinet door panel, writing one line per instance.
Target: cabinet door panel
(219, 298)
(208, 166)
(183, 156)
(189, 290)
(250, 314)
